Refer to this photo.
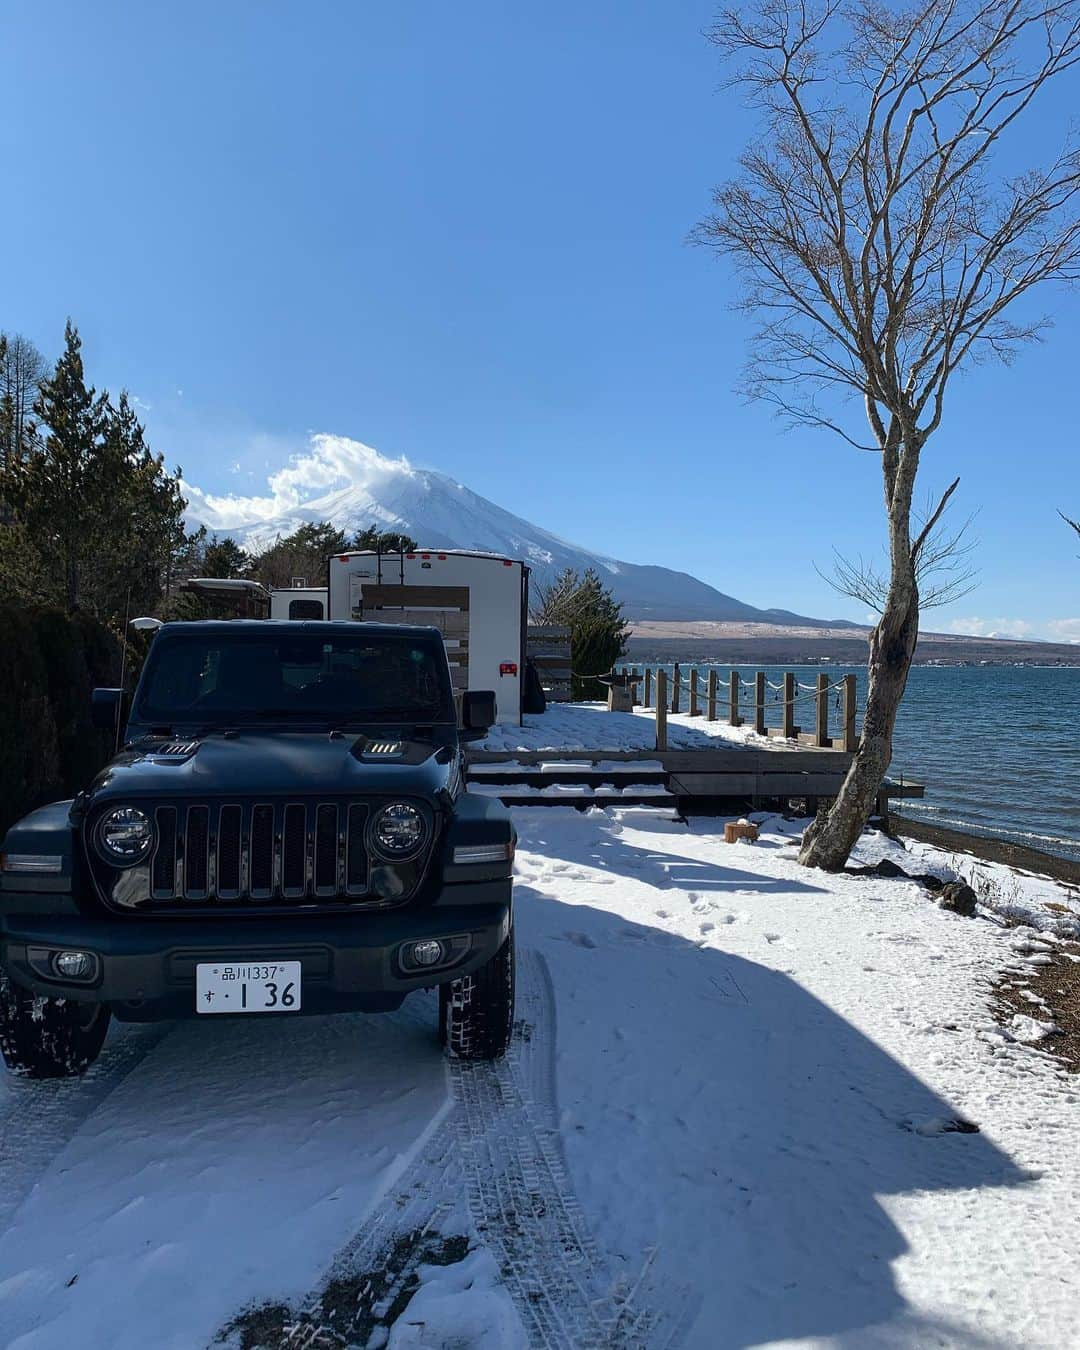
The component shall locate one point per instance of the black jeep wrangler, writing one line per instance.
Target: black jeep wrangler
(285, 830)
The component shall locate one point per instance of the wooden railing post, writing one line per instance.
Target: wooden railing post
(821, 731)
(676, 685)
(648, 688)
(661, 710)
(733, 699)
(850, 740)
(759, 702)
(711, 697)
(787, 725)
(634, 698)
(693, 710)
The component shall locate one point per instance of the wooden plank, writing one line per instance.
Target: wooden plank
(733, 699)
(755, 785)
(415, 597)
(452, 623)
(661, 710)
(847, 734)
(787, 725)
(759, 702)
(713, 784)
(821, 705)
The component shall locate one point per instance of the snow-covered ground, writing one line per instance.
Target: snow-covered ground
(737, 1113)
(575, 726)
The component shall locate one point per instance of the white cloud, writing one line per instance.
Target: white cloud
(1064, 630)
(992, 628)
(1047, 630)
(328, 462)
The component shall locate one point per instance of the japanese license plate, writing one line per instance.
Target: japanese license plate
(247, 987)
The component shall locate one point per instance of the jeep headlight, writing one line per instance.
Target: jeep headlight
(398, 831)
(124, 836)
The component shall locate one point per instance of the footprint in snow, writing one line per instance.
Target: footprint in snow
(772, 937)
(579, 940)
(706, 928)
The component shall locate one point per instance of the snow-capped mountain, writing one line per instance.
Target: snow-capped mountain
(366, 489)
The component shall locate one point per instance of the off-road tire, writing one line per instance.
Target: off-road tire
(476, 1012)
(48, 1037)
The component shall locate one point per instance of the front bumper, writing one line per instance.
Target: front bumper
(349, 961)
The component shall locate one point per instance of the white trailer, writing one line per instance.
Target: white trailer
(479, 601)
(298, 602)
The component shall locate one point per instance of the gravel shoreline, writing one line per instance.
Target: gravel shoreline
(991, 850)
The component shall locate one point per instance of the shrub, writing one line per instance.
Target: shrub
(48, 665)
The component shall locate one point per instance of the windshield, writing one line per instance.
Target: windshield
(227, 678)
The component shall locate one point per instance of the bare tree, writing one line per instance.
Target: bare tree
(22, 368)
(882, 250)
(943, 570)
(1074, 523)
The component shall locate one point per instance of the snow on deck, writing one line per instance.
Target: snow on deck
(589, 726)
(730, 1119)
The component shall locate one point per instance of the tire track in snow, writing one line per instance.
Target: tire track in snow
(497, 1156)
(38, 1117)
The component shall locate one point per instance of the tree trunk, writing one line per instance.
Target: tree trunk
(829, 840)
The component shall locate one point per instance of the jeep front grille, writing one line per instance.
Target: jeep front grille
(297, 852)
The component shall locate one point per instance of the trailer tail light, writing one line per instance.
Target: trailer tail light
(508, 668)
(410, 557)
(507, 562)
(441, 557)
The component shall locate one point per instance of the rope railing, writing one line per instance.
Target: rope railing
(747, 701)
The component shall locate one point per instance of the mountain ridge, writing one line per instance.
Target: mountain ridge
(440, 512)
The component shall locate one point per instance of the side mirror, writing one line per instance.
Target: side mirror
(477, 712)
(105, 708)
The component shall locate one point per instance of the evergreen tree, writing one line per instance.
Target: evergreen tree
(225, 558)
(304, 553)
(97, 511)
(59, 491)
(374, 540)
(598, 631)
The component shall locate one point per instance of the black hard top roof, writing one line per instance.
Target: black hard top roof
(329, 627)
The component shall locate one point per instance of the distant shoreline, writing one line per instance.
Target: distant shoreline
(747, 645)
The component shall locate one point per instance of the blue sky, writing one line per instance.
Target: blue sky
(458, 233)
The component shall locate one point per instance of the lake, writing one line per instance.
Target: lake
(998, 747)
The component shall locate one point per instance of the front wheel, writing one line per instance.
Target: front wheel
(48, 1037)
(476, 1012)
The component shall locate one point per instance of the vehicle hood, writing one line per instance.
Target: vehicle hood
(256, 764)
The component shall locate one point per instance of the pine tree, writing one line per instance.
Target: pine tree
(94, 507)
(374, 540)
(225, 558)
(59, 490)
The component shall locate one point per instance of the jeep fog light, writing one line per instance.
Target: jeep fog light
(432, 953)
(75, 965)
(124, 836)
(428, 953)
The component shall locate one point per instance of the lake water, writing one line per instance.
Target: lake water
(998, 747)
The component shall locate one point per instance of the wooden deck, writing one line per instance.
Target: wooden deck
(763, 776)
